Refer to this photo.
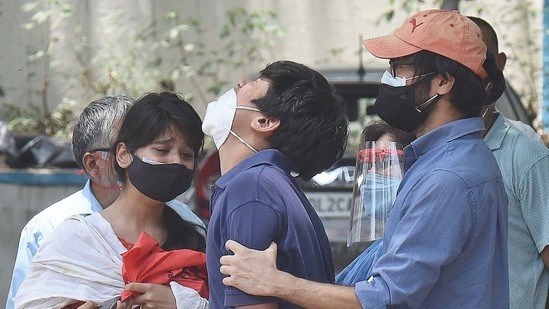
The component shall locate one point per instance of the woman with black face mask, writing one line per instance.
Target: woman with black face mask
(87, 258)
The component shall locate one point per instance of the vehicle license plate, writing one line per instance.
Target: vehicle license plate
(331, 204)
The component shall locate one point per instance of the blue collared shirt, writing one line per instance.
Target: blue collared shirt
(255, 203)
(524, 164)
(445, 242)
(82, 202)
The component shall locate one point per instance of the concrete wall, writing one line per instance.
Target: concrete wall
(109, 28)
(105, 30)
(100, 29)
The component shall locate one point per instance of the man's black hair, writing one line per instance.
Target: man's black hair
(468, 93)
(313, 123)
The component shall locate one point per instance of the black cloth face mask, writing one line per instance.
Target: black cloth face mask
(160, 182)
(396, 106)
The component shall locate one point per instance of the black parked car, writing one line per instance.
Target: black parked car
(330, 191)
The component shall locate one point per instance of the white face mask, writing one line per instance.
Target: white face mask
(397, 81)
(219, 117)
(390, 80)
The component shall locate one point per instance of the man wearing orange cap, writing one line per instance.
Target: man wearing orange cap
(445, 242)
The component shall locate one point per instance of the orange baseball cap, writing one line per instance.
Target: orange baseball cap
(447, 33)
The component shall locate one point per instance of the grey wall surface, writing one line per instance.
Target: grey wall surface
(313, 29)
(18, 204)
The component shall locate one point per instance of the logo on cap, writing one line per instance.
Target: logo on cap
(415, 24)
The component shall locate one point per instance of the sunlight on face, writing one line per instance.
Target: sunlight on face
(251, 90)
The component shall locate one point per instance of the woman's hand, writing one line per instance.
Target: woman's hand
(152, 295)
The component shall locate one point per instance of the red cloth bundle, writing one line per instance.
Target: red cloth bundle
(146, 262)
(370, 155)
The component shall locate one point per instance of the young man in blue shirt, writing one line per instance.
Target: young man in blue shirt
(445, 242)
(286, 123)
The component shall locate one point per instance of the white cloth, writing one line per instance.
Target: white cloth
(80, 261)
(188, 298)
(42, 225)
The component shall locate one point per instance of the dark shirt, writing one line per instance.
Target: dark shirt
(257, 202)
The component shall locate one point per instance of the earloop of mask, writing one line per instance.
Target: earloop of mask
(99, 154)
(106, 156)
(102, 155)
(426, 102)
(248, 108)
(243, 141)
(107, 188)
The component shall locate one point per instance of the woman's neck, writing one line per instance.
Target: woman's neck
(132, 213)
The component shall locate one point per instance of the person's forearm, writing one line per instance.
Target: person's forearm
(310, 294)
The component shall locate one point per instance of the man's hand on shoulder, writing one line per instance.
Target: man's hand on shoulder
(251, 271)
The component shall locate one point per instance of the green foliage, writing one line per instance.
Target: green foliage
(161, 56)
(522, 50)
(182, 55)
(31, 121)
(38, 119)
(246, 37)
(406, 6)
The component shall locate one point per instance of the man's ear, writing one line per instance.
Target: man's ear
(265, 124)
(90, 165)
(444, 84)
(123, 157)
(501, 60)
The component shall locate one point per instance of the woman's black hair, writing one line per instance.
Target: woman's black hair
(146, 120)
(152, 115)
(182, 234)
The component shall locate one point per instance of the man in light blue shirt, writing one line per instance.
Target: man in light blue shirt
(524, 163)
(93, 135)
(445, 241)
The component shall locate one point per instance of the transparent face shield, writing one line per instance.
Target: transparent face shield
(379, 169)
